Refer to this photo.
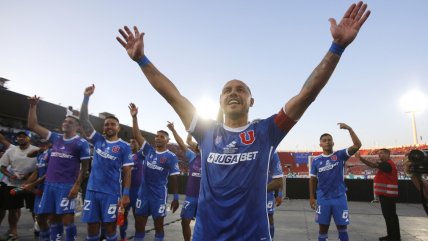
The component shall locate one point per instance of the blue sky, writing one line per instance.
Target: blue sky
(56, 48)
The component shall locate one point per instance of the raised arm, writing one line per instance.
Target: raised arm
(190, 142)
(177, 137)
(33, 123)
(367, 162)
(5, 142)
(133, 109)
(86, 125)
(134, 45)
(355, 140)
(343, 34)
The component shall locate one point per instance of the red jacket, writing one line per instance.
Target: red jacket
(386, 183)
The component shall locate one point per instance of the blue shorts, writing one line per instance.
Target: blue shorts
(336, 207)
(99, 207)
(37, 200)
(147, 207)
(270, 204)
(55, 199)
(190, 205)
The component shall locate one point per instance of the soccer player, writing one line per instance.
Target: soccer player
(136, 179)
(235, 154)
(274, 183)
(159, 164)
(112, 157)
(35, 183)
(190, 205)
(328, 170)
(68, 164)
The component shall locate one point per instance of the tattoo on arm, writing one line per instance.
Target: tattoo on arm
(84, 120)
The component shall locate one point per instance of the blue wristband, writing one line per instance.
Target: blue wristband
(336, 49)
(175, 196)
(279, 194)
(86, 99)
(125, 192)
(142, 62)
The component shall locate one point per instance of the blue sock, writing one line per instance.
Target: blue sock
(111, 237)
(272, 230)
(159, 236)
(323, 237)
(70, 232)
(122, 229)
(343, 234)
(44, 235)
(93, 238)
(139, 236)
(56, 231)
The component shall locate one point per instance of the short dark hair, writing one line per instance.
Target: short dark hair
(385, 150)
(325, 134)
(164, 132)
(112, 117)
(76, 118)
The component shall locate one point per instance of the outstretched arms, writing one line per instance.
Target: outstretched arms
(367, 162)
(133, 109)
(355, 140)
(33, 124)
(343, 34)
(134, 45)
(86, 125)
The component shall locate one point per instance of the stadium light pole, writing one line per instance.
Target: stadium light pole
(412, 102)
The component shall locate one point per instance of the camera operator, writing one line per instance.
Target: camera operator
(416, 178)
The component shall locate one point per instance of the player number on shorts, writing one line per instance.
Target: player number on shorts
(64, 202)
(269, 204)
(112, 209)
(186, 204)
(138, 203)
(86, 205)
(162, 209)
(345, 214)
(318, 209)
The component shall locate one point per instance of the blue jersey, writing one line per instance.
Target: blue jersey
(137, 171)
(158, 166)
(109, 158)
(42, 166)
(329, 170)
(234, 176)
(194, 180)
(64, 161)
(275, 170)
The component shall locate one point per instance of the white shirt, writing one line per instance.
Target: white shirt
(17, 163)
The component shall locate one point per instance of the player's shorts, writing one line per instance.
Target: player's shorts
(37, 204)
(190, 205)
(55, 199)
(336, 207)
(8, 201)
(148, 206)
(99, 207)
(270, 204)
